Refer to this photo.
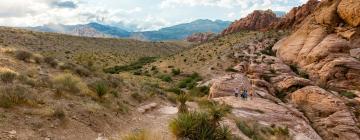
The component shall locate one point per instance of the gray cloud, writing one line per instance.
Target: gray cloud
(64, 4)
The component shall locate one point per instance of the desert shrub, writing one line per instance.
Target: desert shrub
(26, 80)
(68, 83)
(133, 66)
(171, 97)
(8, 76)
(190, 81)
(59, 113)
(294, 68)
(114, 81)
(199, 91)
(50, 61)
(198, 126)
(23, 55)
(266, 77)
(82, 71)
(281, 94)
(175, 71)
(38, 58)
(348, 94)
(182, 99)
(231, 69)
(174, 90)
(137, 72)
(122, 108)
(142, 135)
(303, 74)
(137, 97)
(257, 131)
(14, 95)
(268, 51)
(101, 88)
(165, 78)
(153, 68)
(218, 111)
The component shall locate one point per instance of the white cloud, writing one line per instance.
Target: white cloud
(138, 15)
(218, 3)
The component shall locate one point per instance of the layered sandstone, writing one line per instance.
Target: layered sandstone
(258, 20)
(325, 48)
(296, 15)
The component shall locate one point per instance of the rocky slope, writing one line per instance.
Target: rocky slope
(315, 71)
(267, 20)
(258, 20)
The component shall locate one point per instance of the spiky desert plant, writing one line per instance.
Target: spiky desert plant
(182, 99)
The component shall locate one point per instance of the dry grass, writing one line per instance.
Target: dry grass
(69, 83)
(143, 135)
(95, 52)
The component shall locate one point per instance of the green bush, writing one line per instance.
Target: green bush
(175, 71)
(198, 126)
(257, 131)
(231, 69)
(199, 91)
(101, 89)
(175, 90)
(8, 77)
(348, 94)
(190, 81)
(133, 66)
(165, 78)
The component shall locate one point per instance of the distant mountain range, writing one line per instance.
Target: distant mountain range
(177, 32)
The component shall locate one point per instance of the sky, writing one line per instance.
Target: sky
(140, 15)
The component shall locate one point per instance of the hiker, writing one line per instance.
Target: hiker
(236, 91)
(244, 95)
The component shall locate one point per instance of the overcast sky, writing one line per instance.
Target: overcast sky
(141, 14)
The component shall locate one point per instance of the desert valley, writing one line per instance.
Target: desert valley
(297, 75)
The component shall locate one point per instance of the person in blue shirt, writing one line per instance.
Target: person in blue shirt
(244, 95)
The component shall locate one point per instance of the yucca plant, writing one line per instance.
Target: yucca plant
(182, 99)
(218, 111)
(101, 89)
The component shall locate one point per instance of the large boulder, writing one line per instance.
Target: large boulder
(224, 86)
(349, 11)
(268, 113)
(329, 115)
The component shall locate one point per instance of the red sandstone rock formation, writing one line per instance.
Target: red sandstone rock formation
(258, 20)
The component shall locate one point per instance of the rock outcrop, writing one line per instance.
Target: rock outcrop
(224, 86)
(269, 113)
(349, 11)
(201, 37)
(258, 20)
(296, 15)
(325, 48)
(329, 115)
